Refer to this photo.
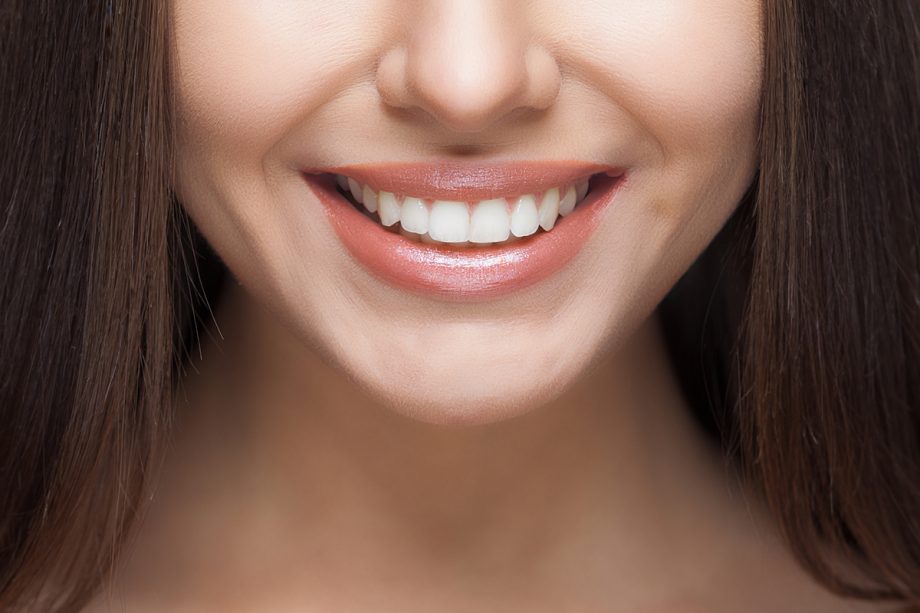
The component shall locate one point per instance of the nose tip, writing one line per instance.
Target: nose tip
(468, 66)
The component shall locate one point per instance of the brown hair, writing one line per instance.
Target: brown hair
(796, 334)
(87, 320)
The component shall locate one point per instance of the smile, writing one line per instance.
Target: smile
(466, 223)
(465, 232)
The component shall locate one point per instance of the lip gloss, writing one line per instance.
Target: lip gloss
(465, 274)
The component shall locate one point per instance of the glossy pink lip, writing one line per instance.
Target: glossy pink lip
(469, 182)
(461, 274)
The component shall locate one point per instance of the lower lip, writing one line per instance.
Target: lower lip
(464, 274)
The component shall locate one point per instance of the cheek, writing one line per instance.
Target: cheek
(247, 71)
(685, 75)
(688, 71)
(699, 69)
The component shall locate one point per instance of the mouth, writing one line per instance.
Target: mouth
(465, 232)
(468, 223)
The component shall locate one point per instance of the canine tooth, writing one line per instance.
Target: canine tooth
(581, 189)
(355, 188)
(342, 182)
(413, 216)
(369, 198)
(567, 204)
(490, 222)
(388, 208)
(525, 219)
(449, 222)
(549, 209)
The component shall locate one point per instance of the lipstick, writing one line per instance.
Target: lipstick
(465, 274)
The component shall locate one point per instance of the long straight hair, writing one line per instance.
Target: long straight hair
(86, 322)
(796, 334)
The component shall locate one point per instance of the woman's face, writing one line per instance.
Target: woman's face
(657, 99)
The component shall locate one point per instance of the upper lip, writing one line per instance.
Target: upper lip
(469, 181)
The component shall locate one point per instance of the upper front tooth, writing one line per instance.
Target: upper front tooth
(342, 180)
(490, 222)
(450, 221)
(567, 203)
(413, 216)
(524, 218)
(356, 190)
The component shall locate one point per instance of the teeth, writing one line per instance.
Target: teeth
(549, 209)
(450, 221)
(388, 209)
(356, 191)
(525, 220)
(461, 223)
(369, 198)
(413, 235)
(490, 222)
(413, 216)
(581, 189)
(567, 204)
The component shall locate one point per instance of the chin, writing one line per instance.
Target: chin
(475, 400)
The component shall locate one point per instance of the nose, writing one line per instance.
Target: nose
(468, 64)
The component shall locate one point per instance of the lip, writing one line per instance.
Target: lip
(465, 274)
(468, 182)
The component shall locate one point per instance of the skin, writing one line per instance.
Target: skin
(343, 445)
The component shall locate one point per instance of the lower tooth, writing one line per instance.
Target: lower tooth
(426, 238)
(413, 235)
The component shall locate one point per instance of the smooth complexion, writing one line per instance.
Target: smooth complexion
(346, 445)
(668, 90)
